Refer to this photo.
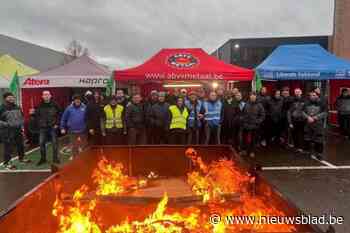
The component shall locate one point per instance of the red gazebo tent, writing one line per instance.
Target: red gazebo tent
(192, 64)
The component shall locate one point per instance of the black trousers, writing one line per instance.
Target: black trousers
(318, 147)
(137, 136)
(276, 129)
(264, 131)
(298, 134)
(250, 140)
(212, 135)
(159, 136)
(344, 124)
(115, 137)
(232, 136)
(95, 139)
(177, 137)
(14, 139)
(193, 136)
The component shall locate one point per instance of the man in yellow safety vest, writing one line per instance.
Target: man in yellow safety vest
(177, 121)
(113, 123)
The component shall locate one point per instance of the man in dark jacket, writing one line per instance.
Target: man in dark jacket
(275, 115)
(11, 128)
(47, 115)
(195, 119)
(135, 121)
(343, 108)
(253, 116)
(150, 133)
(157, 120)
(94, 112)
(315, 114)
(121, 98)
(264, 99)
(296, 120)
(229, 119)
(237, 134)
(287, 101)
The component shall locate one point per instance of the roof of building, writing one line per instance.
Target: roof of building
(10, 65)
(44, 58)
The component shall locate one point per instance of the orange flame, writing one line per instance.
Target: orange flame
(217, 178)
(110, 179)
(76, 218)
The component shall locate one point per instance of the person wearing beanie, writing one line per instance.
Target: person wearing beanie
(73, 122)
(153, 99)
(113, 125)
(343, 107)
(315, 113)
(135, 121)
(11, 129)
(47, 115)
(158, 114)
(94, 113)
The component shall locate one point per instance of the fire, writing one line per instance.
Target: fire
(159, 222)
(76, 218)
(110, 180)
(213, 180)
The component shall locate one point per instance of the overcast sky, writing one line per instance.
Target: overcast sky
(125, 33)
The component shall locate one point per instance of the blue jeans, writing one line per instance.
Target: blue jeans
(45, 134)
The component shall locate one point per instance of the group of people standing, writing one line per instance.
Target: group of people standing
(196, 117)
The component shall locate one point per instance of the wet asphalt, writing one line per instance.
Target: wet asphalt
(317, 191)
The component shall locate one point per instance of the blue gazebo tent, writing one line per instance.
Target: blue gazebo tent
(303, 62)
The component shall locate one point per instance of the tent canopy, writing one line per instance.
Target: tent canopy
(303, 62)
(9, 66)
(184, 64)
(81, 72)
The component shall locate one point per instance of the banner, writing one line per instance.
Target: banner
(64, 81)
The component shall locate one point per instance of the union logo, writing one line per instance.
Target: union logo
(182, 60)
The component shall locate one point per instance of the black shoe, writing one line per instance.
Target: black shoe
(319, 157)
(22, 160)
(42, 161)
(56, 160)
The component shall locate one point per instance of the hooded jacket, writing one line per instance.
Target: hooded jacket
(11, 121)
(295, 113)
(275, 106)
(253, 115)
(343, 105)
(73, 118)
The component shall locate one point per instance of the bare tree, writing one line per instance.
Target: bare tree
(75, 49)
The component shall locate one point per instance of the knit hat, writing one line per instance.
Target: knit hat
(162, 94)
(7, 94)
(154, 92)
(76, 96)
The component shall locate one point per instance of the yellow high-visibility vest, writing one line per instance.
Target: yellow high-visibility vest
(114, 118)
(179, 120)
